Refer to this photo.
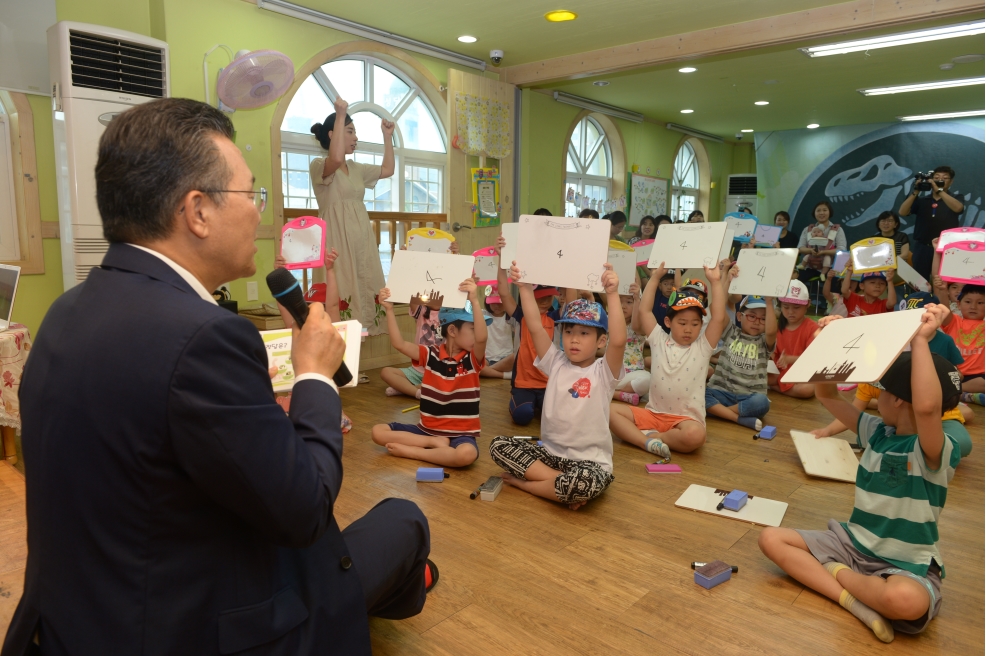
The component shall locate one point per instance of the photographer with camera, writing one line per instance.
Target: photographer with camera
(933, 213)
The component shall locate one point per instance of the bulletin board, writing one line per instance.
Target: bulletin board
(485, 197)
(646, 196)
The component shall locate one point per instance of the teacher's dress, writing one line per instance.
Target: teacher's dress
(349, 231)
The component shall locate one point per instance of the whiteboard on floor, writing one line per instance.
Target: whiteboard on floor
(758, 510)
(687, 245)
(508, 254)
(826, 457)
(562, 251)
(764, 272)
(429, 275)
(855, 350)
(624, 266)
(963, 261)
(912, 277)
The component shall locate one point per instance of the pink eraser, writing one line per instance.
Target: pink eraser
(655, 468)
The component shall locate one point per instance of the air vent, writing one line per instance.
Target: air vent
(114, 65)
(82, 271)
(742, 185)
(91, 245)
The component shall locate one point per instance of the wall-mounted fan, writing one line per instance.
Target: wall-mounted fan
(251, 80)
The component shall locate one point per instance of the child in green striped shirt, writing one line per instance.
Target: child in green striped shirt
(883, 565)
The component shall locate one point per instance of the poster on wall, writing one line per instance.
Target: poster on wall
(485, 197)
(646, 196)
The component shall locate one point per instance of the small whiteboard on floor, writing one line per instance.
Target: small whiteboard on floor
(855, 350)
(765, 512)
(764, 272)
(826, 457)
(508, 254)
(415, 273)
(562, 252)
(624, 261)
(687, 245)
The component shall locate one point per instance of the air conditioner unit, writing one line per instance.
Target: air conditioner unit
(742, 192)
(96, 72)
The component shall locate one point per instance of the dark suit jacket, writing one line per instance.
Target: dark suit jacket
(172, 506)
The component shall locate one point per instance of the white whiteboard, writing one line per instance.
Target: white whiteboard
(855, 350)
(764, 272)
(963, 262)
(562, 251)
(624, 266)
(508, 253)
(687, 245)
(415, 273)
(648, 197)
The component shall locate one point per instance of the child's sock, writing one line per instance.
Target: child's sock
(390, 391)
(507, 375)
(629, 397)
(657, 447)
(880, 626)
(750, 422)
(969, 397)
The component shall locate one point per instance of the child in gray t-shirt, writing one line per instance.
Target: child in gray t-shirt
(737, 390)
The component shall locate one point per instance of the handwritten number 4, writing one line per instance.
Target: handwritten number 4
(851, 344)
(762, 272)
(684, 245)
(558, 253)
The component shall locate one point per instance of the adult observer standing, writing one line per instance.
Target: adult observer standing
(339, 185)
(172, 506)
(933, 213)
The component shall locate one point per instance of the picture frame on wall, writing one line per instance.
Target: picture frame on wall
(646, 196)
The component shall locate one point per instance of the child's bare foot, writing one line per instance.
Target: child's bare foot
(510, 479)
(576, 506)
(401, 450)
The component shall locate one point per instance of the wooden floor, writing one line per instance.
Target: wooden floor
(526, 576)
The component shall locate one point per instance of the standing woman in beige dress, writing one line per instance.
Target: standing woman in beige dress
(339, 185)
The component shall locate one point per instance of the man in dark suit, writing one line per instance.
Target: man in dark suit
(173, 508)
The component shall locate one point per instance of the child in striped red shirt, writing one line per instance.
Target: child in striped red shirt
(449, 425)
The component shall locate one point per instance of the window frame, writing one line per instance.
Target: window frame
(30, 228)
(579, 179)
(692, 167)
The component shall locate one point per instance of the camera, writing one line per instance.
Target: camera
(739, 136)
(921, 180)
(496, 56)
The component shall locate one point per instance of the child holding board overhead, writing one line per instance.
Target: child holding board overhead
(575, 465)
(883, 565)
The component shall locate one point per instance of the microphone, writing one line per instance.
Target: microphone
(287, 291)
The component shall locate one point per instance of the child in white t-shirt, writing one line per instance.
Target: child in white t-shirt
(575, 463)
(500, 341)
(675, 414)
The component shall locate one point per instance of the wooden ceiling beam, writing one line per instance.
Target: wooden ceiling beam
(833, 20)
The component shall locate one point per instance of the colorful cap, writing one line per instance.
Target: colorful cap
(897, 380)
(585, 313)
(875, 274)
(493, 294)
(540, 291)
(449, 315)
(916, 300)
(684, 302)
(797, 293)
(696, 284)
(752, 303)
(316, 293)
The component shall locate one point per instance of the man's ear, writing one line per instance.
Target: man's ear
(194, 211)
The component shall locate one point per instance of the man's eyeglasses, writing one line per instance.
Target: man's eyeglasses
(259, 196)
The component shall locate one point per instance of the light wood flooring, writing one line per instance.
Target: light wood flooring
(523, 575)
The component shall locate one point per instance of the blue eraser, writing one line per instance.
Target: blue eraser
(768, 432)
(735, 500)
(431, 474)
(710, 575)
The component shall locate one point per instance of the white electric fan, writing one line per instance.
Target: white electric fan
(251, 80)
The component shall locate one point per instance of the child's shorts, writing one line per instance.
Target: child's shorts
(413, 375)
(750, 405)
(453, 440)
(836, 545)
(580, 480)
(661, 422)
(966, 379)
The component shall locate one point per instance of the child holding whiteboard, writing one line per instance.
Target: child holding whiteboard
(427, 332)
(575, 463)
(883, 565)
(449, 425)
(674, 418)
(636, 378)
(967, 331)
(500, 340)
(873, 285)
(795, 331)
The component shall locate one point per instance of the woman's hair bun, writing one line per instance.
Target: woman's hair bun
(316, 130)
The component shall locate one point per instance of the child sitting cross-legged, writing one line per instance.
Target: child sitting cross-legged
(636, 378)
(795, 332)
(675, 414)
(575, 465)
(883, 565)
(449, 425)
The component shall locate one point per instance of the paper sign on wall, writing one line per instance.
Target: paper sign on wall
(643, 248)
(302, 243)
(429, 275)
(429, 240)
(765, 272)
(485, 266)
(873, 254)
(767, 235)
(963, 261)
(278, 345)
(624, 261)
(687, 245)
(562, 251)
(953, 235)
(742, 224)
(510, 232)
(855, 350)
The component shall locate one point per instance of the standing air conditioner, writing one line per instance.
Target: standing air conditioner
(742, 192)
(96, 73)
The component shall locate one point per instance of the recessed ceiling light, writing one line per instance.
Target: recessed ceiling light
(746, 130)
(687, 111)
(465, 38)
(601, 83)
(561, 15)
(762, 102)
(924, 86)
(904, 38)
(812, 126)
(931, 117)
(687, 69)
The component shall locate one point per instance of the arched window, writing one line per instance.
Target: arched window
(375, 90)
(589, 164)
(684, 183)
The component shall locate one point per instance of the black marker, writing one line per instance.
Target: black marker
(476, 493)
(721, 503)
(735, 568)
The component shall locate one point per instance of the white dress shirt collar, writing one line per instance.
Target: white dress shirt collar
(192, 281)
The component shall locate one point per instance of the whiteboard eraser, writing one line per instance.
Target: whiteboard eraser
(431, 475)
(489, 490)
(768, 432)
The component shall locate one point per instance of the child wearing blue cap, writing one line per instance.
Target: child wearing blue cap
(872, 286)
(575, 463)
(449, 425)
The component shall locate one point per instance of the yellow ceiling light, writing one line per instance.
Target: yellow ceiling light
(560, 16)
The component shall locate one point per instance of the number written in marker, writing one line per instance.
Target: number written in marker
(762, 272)
(851, 344)
(684, 245)
(429, 278)
(558, 253)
